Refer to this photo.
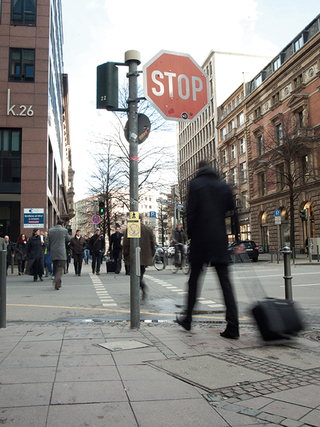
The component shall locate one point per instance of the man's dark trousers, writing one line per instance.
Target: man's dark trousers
(117, 255)
(78, 258)
(96, 261)
(222, 271)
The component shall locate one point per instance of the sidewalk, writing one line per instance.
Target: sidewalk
(105, 374)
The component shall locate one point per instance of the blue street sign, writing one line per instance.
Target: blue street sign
(153, 214)
(277, 212)
(33, 218)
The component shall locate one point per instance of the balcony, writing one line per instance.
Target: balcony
(230, 134)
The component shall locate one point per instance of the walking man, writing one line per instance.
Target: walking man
(115, 249)
(97, 246)
(56, 243)
(77, 244)
(209, 200)
(147, 245)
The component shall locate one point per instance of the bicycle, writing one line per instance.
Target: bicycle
(159, 259)
(182, 263)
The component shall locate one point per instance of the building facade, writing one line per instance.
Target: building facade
(199, 139)
(283, 135)
(36, 181)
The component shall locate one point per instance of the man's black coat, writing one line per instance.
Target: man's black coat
(209, 200)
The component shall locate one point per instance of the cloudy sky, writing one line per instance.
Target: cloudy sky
(98, 31)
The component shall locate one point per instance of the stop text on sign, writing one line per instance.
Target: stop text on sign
(176, 86)
(182, 81)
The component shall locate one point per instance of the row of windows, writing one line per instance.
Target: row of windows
(231, 177)
(226, 131)
(281, 177)
(233, 153)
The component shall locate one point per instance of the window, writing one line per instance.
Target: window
(240, 119)
(278, 135)
(276, 64)
(298, 44)
(275, 98)
(242, 146)
(10, 159)
(21, 65)
(298, 81)
(234, 176)
(260, 145)
(305, 169)
(244, 200)
(23, 12)
(243, 171)
(224, 157)
(233, 151)
(223, 133)
(258, 81)
(262, 184)
(230, 126)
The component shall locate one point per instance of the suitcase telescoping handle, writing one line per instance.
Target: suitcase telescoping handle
(247, 275)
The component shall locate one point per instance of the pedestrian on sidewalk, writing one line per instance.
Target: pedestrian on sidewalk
(147, 245)
(115, 249)
(56, 242)
(34, 255)
(10, 251)
(97, 248)
(86, 252)
(77, 245)
(20, 250)
(209, 200)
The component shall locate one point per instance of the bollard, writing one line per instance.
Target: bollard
(278, 256)
(318, 253)
(271, 251)
(287, 272)
(3, 288)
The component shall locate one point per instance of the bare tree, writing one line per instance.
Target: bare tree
(286, 160)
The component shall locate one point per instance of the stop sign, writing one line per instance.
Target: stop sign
(176, 86)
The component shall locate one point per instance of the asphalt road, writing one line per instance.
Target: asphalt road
(107, 297)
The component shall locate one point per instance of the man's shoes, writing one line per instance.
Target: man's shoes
(184, 323)
(92, 271)
(41, 278)
(35, 280)
(57, 287)
(98, 273)
(230, 335)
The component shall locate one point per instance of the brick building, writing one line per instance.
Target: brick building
(269, 145)
(36, 178)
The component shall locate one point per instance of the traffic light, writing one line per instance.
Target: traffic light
(303, 215)
(107, 86)
(101, 207)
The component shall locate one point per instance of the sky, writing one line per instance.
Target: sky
(98, 31)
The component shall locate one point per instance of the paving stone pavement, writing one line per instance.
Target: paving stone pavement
(57, 373)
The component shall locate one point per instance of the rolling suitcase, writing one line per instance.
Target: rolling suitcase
(110, 266)
(276, 318)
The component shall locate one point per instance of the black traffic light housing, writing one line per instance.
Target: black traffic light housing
(107, 86)
(101, 207)
(303, 215)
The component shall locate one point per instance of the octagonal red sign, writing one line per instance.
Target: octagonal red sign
(176, 86)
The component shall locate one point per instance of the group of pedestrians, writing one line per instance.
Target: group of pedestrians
(209, 200)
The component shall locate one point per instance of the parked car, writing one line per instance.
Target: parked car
(250, 247)
(171, 251)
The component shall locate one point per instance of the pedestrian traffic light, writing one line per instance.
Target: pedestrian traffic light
(101, 207)
(303, 215)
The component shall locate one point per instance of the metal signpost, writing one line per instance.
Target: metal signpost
(186, 93)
